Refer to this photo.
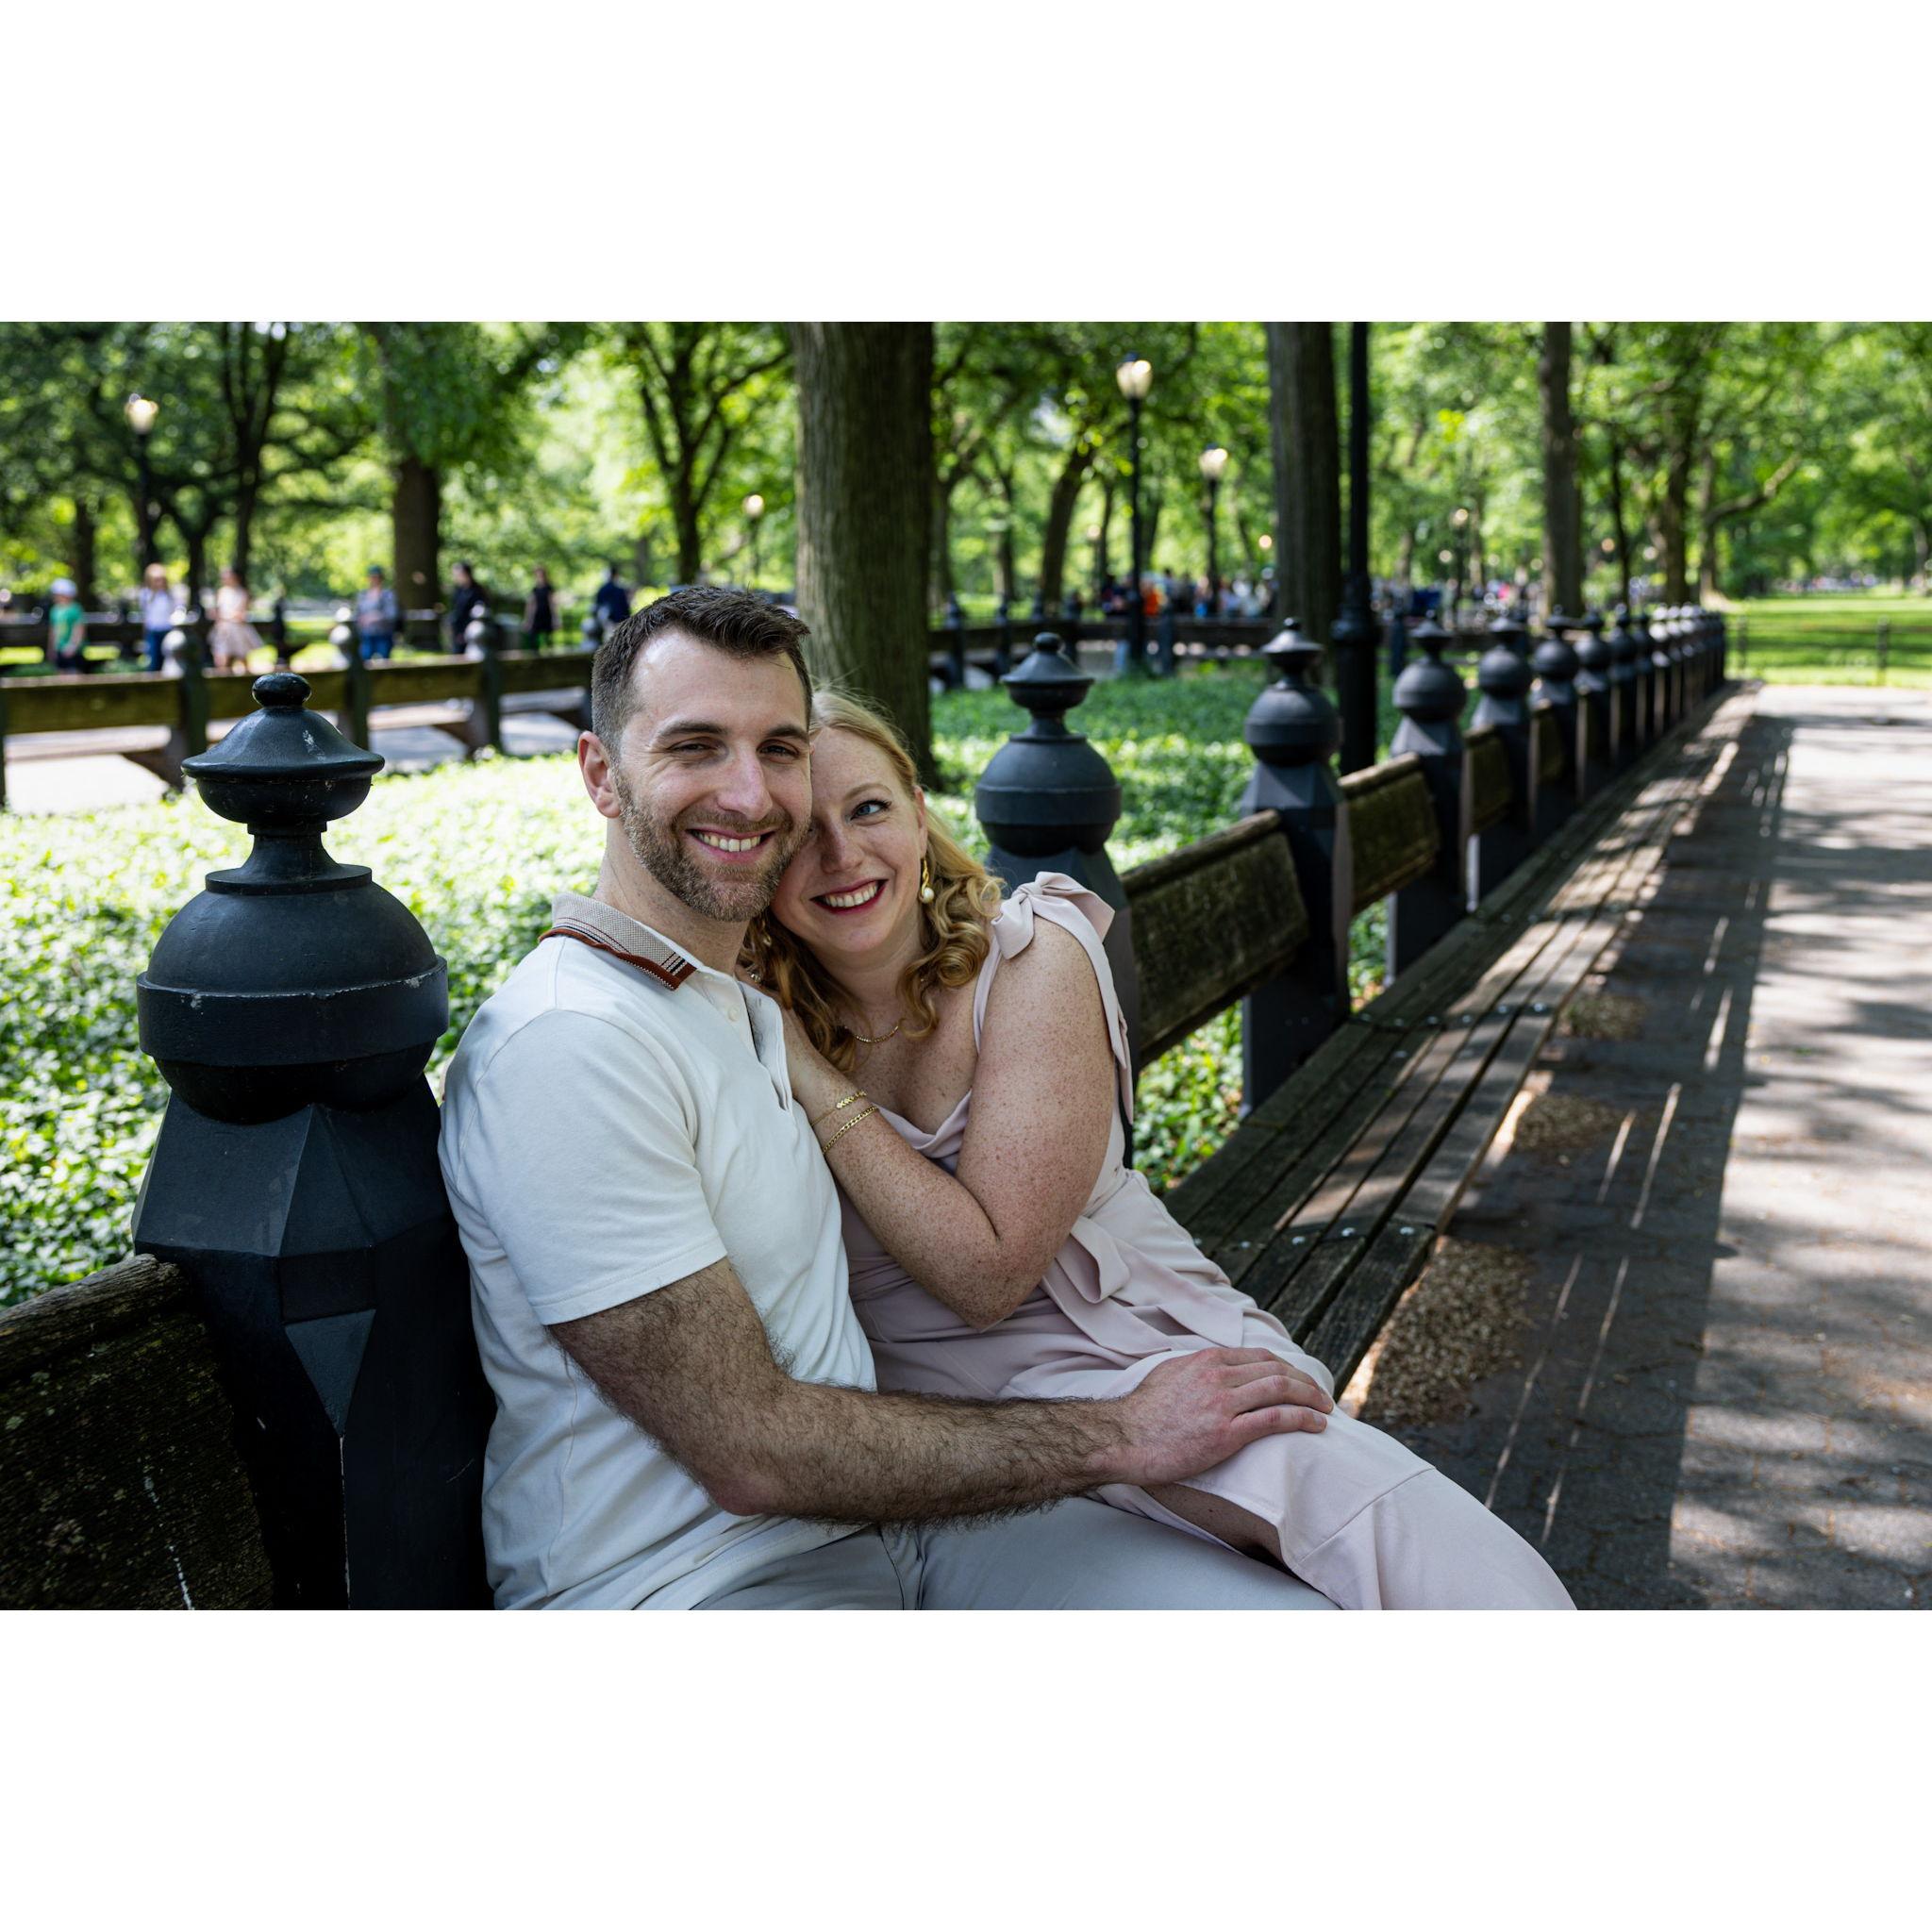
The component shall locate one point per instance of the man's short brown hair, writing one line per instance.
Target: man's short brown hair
(732, 621)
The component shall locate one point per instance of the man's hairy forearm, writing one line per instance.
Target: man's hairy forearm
(691, 1366)
(843, 1455)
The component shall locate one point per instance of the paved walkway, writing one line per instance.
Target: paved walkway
(1725, 1396)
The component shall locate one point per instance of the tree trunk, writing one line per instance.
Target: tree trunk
(1059, 520)
(939, 591)
(864, 510)
(1562, 505)
(245, 530)
(1673, 523)
(85, 530)
(640, 566)
(1005, 573)
(416, 532)
(1304, 424)
(1620, 529)
(684, 518)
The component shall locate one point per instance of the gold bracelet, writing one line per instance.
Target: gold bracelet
(825, 1146)
(856, 1093)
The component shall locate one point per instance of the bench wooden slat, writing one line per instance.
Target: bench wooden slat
(1393, 835)
(1352, 1293)
(89, 702)
(1490, 793)
(119, 1482)
(1435, 1126)
(1211, 923)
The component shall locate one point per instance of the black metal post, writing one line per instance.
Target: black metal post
(1662, 709)
(1430, 697)
(1003, 640)
(1504, 678)
(292, 1007)
(353, 720)
(1354, 629)
(1596, 716)
(955, 642)
(1048, 799)
(1629, 681)
(1398, 640)
(144, 484)
(1556, 667)
(485, 642)
(1214, 549)
(1293, 730)
(1137, 614)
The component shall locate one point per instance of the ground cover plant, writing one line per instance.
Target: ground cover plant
(476, 852)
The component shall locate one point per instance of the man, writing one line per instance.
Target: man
(613, 602)
(375, 617)
(686, 1412)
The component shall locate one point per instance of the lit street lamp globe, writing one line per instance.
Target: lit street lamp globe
(142, 411)
(754, 506)
(1135, 377)
(1213, 463)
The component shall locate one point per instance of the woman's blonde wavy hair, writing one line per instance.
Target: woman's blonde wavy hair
(954, 926)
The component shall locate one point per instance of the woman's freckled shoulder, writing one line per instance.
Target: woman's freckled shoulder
(1049, 973)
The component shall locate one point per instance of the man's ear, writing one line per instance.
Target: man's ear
(594, 768)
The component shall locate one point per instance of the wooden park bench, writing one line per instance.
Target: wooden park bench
(278, 1401)
(162, 720)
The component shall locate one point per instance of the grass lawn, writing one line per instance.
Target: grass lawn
(476, 852)
(1833, 639)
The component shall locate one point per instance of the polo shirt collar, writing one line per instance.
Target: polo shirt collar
(667, 963)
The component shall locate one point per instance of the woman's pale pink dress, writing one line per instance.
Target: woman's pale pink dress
(1360, 1517)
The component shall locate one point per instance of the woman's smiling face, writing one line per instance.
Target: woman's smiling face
(853, 887)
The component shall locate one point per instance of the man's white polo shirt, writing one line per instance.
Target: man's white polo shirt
(607, 1131)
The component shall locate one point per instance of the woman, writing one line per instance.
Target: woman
(158, 605)
(540, 613)
(468, 600)
(233, 637)
(967, 1069)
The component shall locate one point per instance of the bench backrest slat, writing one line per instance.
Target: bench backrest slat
(1490, 793)
(1211, 923)
(1392, 827)
(119, 1482)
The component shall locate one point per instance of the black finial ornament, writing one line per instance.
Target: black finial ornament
(293, 1006)
(1294, 721)
(1295, 730)
(1048, 799)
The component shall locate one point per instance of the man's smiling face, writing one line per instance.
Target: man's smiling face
(713, 779)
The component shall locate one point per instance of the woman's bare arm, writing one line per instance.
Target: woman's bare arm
(1042, 1106)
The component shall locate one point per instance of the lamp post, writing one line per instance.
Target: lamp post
(1213, 465)
(1354, 635)
(142, 411)
(754, 515)
(1135, 377)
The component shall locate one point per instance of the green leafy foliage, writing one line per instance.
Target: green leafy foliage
(476, 853)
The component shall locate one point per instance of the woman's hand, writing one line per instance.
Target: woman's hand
(816, 1083)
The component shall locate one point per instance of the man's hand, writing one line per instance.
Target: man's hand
(1194, 1412)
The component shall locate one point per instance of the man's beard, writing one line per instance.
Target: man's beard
(667, 856)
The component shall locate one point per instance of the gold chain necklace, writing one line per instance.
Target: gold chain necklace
(867, 1039)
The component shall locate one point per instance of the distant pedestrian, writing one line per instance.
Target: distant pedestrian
(233, 638)
(158, 608)
(539, 612)
(66, 628)
(376, 616)
(613, 600)
(468, 600)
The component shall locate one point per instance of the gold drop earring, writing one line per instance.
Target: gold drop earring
(926, 894)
